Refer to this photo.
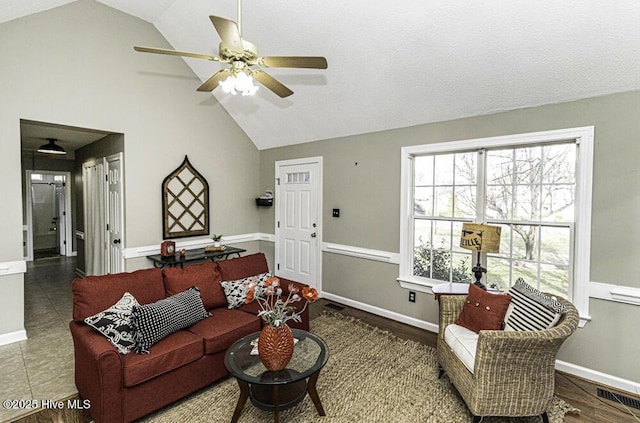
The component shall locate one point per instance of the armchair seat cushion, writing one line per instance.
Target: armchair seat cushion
(463, 343)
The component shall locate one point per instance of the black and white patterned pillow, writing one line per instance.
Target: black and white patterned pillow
(115, 323)
(236, 291)
(532, 310)
(156, 321)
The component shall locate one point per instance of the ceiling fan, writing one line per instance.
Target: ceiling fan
(242, 56)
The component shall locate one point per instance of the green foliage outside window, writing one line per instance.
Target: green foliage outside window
(435, 263)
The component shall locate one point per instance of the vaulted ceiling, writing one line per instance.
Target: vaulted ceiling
(400, 63)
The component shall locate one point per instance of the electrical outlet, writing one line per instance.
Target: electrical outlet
(412, 297)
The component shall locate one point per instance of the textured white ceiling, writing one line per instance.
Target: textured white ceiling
(402, 63)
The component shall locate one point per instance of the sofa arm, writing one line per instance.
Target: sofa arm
(98, 373)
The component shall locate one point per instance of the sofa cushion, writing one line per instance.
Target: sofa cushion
(239, 268)
(155, 321)
(483, 310)
(531, 309)
(174, 351)
(205, 276)
(115, 323)
(463, 342)
(224, 328)
(236, 291)
(93, 294)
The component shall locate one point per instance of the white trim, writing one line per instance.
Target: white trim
(414, 284)
(108, 160)
(617, 293)
(365, 253)
(191, 244)
(382, 312)
(573, 369)
(584, 137)
(11, 337)
(13, 267)
(599, 377)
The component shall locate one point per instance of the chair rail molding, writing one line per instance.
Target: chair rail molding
(13, 267)
(365, 253)
(617, 293)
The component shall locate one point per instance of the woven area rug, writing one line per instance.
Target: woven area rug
(371, 376)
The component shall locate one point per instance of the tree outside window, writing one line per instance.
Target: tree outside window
(528, 190)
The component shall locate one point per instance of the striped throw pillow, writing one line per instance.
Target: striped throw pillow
(531, 309)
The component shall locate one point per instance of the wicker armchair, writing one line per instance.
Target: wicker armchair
(513, 372)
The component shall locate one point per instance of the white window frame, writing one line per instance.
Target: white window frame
(584, 138)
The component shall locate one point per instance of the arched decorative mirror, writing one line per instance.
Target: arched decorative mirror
(185, 202)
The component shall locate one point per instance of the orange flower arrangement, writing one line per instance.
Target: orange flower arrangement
(274, 310)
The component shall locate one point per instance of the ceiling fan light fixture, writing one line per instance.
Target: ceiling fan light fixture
(51, 147)
(240, 81)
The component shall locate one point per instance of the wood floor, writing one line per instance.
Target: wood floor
(576, 391)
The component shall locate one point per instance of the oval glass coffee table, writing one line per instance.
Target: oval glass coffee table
(277, 391)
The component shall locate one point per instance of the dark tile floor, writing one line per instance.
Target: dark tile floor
(41, 367)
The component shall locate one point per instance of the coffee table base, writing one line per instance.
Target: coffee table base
(277, 398)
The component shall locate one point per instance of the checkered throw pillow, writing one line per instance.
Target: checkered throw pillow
(115, 323)
(532, 310)
(236, 291)
(158, 320)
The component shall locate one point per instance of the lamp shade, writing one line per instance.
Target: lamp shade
(51, 147)
(480, 237)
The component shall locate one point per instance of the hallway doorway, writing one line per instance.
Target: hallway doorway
(48, 214)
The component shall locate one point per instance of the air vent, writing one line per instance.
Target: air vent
(629, 402)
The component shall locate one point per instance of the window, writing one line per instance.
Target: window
(536, 187)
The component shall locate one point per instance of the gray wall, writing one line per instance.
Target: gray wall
(368, 195)
(75, 65)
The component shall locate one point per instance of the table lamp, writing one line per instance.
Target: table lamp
(483, 239)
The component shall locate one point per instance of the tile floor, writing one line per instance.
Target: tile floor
(42, 366)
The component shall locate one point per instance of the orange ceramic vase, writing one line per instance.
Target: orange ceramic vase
(275, 346)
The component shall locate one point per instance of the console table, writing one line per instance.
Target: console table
(193, 255)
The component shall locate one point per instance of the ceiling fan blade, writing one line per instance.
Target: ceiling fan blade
(293, 62)
(213, 82)
(272, 83)
(175, 53)
(228, 32)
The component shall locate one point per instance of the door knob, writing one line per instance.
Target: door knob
(116, 241)
(313, 235)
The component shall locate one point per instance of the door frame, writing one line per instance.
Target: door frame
(29, 210)
(296, 162)
(107, 160)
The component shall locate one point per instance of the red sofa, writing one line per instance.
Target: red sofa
(122, 388)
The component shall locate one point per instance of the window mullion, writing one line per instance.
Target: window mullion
(481, 186)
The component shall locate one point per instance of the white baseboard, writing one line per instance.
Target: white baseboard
(382, 312)
(599, 377)
(11, 337)
(572, 369)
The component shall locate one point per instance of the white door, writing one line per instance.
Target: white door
(61, 220)
(298, 220)
(114, 214)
